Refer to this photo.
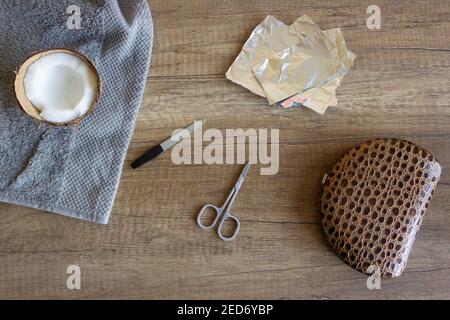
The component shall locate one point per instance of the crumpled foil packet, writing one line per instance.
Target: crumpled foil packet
(293, 66)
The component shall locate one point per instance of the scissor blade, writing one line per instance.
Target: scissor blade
(182, 134)
(244, 173)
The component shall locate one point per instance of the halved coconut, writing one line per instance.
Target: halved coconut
(60, 87)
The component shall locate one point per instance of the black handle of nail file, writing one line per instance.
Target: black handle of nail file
(146, 157)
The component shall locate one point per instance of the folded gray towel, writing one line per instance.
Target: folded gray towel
(72, 171)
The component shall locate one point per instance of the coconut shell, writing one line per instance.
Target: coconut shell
(28, 107)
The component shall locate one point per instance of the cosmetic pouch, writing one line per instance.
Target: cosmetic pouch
(373, 202)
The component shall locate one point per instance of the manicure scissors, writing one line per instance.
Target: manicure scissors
(223, 213)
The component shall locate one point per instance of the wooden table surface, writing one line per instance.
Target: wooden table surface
(152, 248)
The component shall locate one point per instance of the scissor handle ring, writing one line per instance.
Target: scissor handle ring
(202, 211)
(236, 231)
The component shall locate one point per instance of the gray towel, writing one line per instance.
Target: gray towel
(72, 171)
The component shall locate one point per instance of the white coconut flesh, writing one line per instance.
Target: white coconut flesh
(61, 86)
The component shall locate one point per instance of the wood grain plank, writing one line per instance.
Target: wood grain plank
(152, 248)
(214, 31)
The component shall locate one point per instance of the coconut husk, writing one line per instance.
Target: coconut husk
(30, 109)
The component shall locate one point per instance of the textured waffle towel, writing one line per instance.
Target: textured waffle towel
(72, 171)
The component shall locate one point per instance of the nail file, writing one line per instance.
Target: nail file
(167, 144)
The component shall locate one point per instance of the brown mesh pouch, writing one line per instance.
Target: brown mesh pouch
(373, 202)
